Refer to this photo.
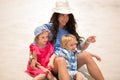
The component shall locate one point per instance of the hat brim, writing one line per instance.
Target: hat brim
(63, 11)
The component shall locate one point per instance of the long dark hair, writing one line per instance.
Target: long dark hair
(70, 27)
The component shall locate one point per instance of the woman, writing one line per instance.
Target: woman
(63, 22)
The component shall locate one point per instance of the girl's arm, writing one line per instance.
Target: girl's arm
(32, 56)
(50, 65)
(33, 60)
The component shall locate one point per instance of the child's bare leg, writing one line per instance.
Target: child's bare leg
(50, 76)
(80, 76)
(40, 77)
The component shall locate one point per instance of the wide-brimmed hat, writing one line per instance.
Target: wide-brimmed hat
(62, 6)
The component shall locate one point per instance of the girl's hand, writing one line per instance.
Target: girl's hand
(42, 68)
(33, 64)
(91, 39)
(49, 68)
(45, 70)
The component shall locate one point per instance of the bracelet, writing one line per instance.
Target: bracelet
(30, 56)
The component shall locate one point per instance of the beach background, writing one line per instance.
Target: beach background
(18, 18)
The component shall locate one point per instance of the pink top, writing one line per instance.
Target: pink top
(43, 55)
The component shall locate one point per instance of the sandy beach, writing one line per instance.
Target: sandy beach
(18, 18)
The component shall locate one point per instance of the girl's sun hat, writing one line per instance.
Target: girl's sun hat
(40, 29)
(62, 6)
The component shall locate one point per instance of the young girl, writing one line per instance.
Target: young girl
(41, 58)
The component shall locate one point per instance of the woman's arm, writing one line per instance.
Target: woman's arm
(84, 45)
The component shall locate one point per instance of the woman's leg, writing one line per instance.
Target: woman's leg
(61, 69)
(86, 58)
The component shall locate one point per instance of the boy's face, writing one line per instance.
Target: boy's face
(72, 45)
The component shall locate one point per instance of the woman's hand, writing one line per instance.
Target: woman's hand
(91, 39)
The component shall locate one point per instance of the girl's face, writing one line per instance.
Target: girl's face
(72, 45)
(42, 39)
(63, 19)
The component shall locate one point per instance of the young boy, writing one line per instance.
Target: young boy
(68, 50)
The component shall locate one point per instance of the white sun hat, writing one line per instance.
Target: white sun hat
(62, 6)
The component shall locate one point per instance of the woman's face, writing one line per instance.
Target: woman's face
(63, 19)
